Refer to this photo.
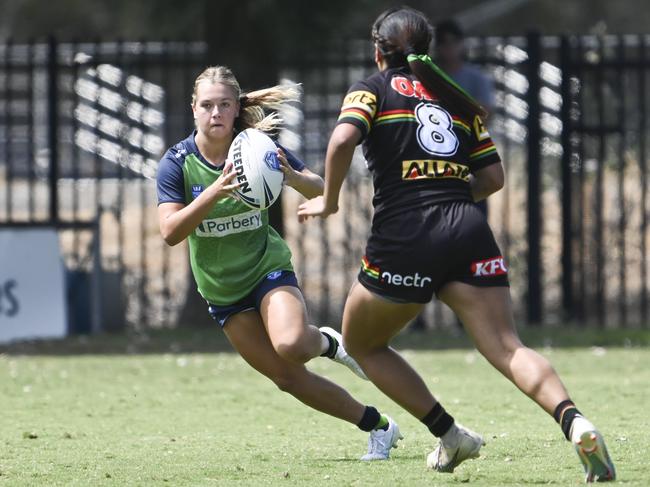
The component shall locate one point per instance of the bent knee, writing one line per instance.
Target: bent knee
(352, 347)
(500, 348)
(356, 350)
(294, 349)
(359, 350)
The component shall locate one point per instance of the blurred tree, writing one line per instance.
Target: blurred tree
(290, 26)
(110, 19)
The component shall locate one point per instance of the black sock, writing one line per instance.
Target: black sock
(370, 419)
(438, 420)
(564, 414)
(333, 347)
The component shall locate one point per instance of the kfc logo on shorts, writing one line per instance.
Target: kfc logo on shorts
(489, 267)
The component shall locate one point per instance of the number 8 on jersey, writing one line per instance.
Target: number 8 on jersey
(435, 134)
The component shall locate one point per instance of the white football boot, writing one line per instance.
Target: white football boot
(341, 355)
(456, 446)
(380, 442)
(591, 449)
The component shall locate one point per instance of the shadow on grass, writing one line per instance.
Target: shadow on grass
(212, 340)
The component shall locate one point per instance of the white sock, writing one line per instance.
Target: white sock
(579, 426)
(324, 343)
(450, 438)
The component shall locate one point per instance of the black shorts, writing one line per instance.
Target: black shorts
(410, 257)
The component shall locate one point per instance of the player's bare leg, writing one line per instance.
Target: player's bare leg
(247, 333)
(369, 322)
(284, 314)
(486, 313)
(248, 336)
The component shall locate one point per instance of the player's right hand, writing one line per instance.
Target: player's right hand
(224, 185)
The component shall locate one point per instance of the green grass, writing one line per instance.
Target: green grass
(208, 419)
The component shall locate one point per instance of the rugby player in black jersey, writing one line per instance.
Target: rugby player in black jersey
(431, 159)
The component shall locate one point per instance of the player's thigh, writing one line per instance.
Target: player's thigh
(370, 321)
(486, 313)
(247, 334)
(284, 314)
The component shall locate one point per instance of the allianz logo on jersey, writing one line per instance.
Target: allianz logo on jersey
(220, 227)
(432, 169)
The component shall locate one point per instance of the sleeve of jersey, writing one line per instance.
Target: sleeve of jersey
(170, 182)
(293, 161)
(359, 107)
(483, 152)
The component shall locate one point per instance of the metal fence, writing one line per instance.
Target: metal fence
(571, 126)
(82, 126)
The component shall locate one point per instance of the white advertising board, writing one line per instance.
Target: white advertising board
(32, 284)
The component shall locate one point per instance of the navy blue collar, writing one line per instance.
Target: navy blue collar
(193, 148)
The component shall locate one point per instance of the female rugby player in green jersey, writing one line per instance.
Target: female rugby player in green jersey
(242, 267)
(431, 158)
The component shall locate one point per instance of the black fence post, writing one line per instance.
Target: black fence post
(534, 302)
(622, 156)
(566, 173)
(52, 126)
(643, 170)
(598, 231)
(8, 123)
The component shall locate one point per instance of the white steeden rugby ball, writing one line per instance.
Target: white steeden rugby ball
(255, 160)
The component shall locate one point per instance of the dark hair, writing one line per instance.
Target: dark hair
(401, 31)
(446, 28)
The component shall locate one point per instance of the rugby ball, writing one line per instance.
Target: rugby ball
(255, 161)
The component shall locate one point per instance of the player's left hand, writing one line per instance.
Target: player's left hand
(290, 174)
(314, 207)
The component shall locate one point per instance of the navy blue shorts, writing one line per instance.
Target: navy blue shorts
(254, 299)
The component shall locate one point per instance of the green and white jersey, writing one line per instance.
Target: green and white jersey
(233, 248)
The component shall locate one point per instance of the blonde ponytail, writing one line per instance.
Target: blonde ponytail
(255, 104)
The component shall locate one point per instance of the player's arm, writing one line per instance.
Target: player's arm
(177, 220)
(486, 169)
(354, 123)
(299, 177)
(486, 181)
(340, 150)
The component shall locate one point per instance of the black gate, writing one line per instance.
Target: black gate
(604, 177)
(82, 127)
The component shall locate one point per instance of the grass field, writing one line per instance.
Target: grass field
(150, 417)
